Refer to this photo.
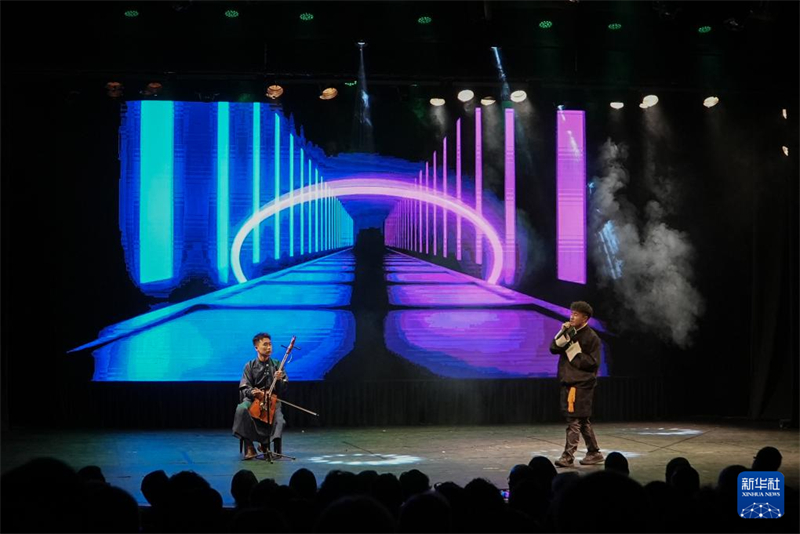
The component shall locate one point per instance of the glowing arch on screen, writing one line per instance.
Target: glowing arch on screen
(362, 187)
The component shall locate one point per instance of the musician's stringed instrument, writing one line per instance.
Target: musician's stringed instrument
(264, 409)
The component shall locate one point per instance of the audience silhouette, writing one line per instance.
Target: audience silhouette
(46, 495)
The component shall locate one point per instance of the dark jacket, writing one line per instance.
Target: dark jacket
(581, 372)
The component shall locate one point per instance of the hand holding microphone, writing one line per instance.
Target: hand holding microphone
(569, 330)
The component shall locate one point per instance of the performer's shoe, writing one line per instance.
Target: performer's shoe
(250, 452)
(564, 461)
(593, 458)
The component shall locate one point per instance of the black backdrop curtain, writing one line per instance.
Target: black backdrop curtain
(774, 307)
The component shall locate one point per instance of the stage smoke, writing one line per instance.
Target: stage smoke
(646, 263)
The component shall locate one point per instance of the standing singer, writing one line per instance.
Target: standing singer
(578, 348)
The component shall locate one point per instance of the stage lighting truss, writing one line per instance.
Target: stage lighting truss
(518, 96)
(329, 93)
(437, 101)
(711, 101)
(466, 95)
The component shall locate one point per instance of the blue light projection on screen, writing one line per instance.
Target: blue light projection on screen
(192, 172)
(155, 207)
(235, 195)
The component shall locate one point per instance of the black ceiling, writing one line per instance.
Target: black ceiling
(752, 45)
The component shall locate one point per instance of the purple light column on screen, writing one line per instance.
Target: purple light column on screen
(435, 240)
(419, 218)
(406, 228)
(444, 190)
(427, 212)
(388, 229)
(509, 262)
(302, 221)
(478, 183)
(571, 196)
(458, 187)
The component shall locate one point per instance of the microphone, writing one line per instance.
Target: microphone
(571, 331)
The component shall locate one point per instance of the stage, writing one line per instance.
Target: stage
(444, 453)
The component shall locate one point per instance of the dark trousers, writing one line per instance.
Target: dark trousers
(577, 427)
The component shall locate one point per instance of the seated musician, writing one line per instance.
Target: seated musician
(257, 377)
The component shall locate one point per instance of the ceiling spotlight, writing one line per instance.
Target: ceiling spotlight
(487, 100)
(711, 101)
(274, 91)
(231, 13)
(617, 105)
(704, 29)
(615, 26)
(424, 20)
(361, 44)
(785, 150)
(351, 84)
(546, 24)
(733, 25)
(643, 105)
(131, 13)
(650, 101)
(114, 89)
(518, 96)
(328, 93)
(784, 114)
(152, 89)
(305, 17)
(437, 101)
(466, 95)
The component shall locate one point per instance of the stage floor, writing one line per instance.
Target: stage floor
(456, 453)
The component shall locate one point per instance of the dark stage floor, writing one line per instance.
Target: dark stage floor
(443, 453)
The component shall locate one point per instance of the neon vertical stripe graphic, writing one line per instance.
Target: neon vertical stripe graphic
(427, 214)
(223, 209)
(316, 209)
(291, 194)
(458, 187)
(310, 205)
(478, 183)
(444, 191)
(256, 178)
(156, 224)
(509, 246)
(302, 222)
(277, 158)
(419, 218)
(324, 213)
(571, 196)
(435, 241)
